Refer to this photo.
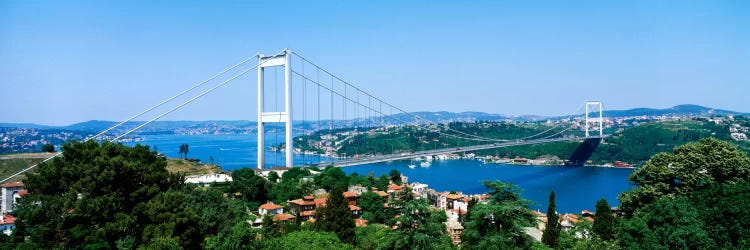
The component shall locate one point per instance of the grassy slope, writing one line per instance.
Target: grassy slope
(190, 168)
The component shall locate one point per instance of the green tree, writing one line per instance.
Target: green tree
(309, 240)
(498, 223)
(604, 222)
(336, 217)
(372, 204)
(689, 167)
(373, 236)
(332, 177)
(184, 148)
(419, 226)
(551, 234)
(251, 185)
(395, 176)
(667, 223)
(218, 213)
(273, 177)
(49, 148)
(168, 216)
(382, 182)
(86, 197)
(241, 236)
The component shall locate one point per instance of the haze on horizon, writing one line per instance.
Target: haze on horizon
(67, 62)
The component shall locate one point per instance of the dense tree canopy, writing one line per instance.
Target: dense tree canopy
(497, 223)
(693, 166)
(87, 197)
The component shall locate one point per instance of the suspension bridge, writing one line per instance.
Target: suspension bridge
(319, 100)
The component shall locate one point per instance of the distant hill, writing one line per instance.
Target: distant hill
(679, 110)
(436, 117)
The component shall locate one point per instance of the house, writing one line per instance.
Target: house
(207, 179)
(264, 172)
(283, 218)
(420, 189)
(10, 192)
(450, 200)
(357, 189)
(304, 208)
(356, 211)
(360, 223)
(351, 197)
(568, 220)
(7, 224)
(541, 220)
(393, 188)
(270, 209)
(454, 231)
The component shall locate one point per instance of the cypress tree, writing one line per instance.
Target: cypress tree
(335, 216)
(551, 234)
(604, 222)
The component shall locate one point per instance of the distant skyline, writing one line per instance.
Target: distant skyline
(72, 61)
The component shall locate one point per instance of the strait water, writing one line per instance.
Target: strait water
(576, 188)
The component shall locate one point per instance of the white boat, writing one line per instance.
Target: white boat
(413, 164)
(425, 164)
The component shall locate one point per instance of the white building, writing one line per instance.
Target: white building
(10, 192)
(270, 209)
(207, 179)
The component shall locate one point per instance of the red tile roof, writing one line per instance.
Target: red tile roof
(7, 219)
(382, 193)
(13, 184)
(394, 187)
(283, 217)
(270, 206)
(307, 213)
(360, 222)
(301, 202)
(354, 208)
(348, 194)
(321, 202)
(453, 196)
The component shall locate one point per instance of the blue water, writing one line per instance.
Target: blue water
(576, 188)
(229, 151)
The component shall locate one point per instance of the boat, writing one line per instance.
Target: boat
(425, 164)
(412, 164)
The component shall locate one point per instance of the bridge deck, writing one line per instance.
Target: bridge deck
(402, 156)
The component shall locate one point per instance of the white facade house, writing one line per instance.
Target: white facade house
(11, 192)
(207, 179)
(270, 209)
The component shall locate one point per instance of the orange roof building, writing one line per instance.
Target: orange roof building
(13, 184)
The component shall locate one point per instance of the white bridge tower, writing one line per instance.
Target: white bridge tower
(285, 116)
(599, 120)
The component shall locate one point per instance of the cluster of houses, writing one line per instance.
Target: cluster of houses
(304, 209)
(8, 199)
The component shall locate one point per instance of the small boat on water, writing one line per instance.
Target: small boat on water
(412, 164)
(425, 164)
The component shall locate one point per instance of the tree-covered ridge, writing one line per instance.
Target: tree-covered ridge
(632, 144)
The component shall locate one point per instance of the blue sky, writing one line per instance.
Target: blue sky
(66, 62)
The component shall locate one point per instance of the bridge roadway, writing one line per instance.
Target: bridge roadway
(402, 156)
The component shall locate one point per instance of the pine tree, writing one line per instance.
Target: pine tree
(336, 217)
(604, 225)
(551, 234)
